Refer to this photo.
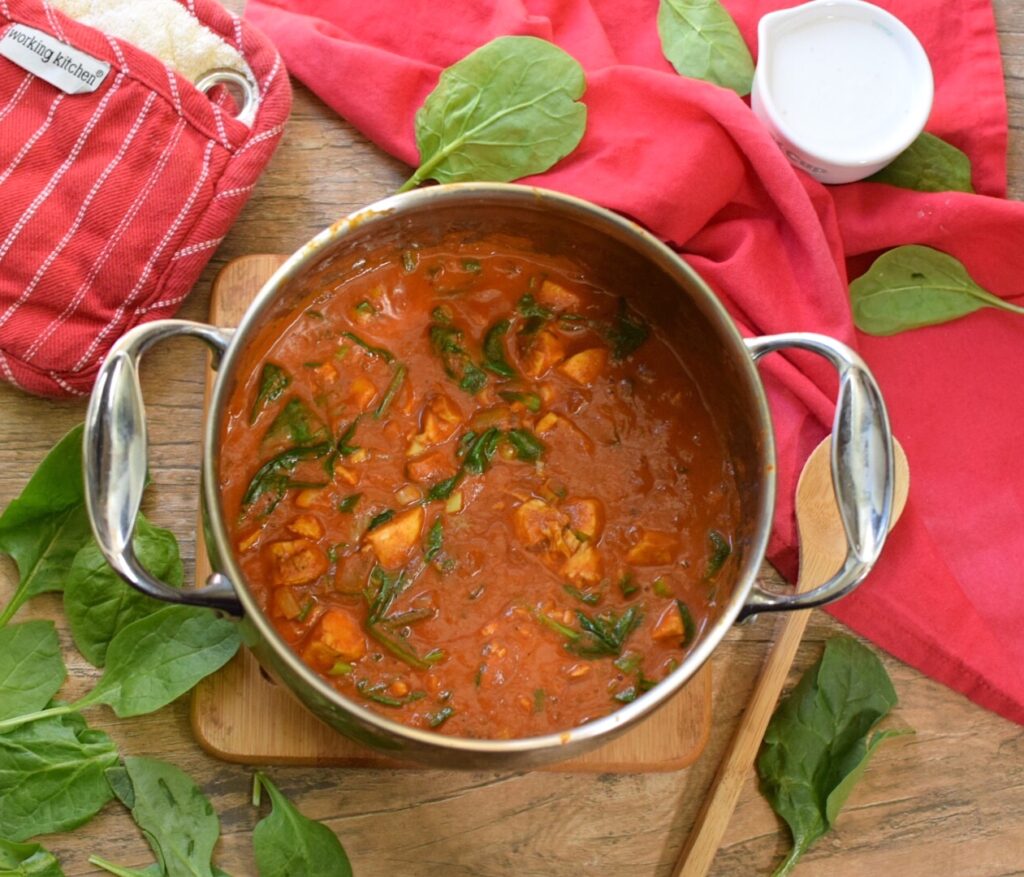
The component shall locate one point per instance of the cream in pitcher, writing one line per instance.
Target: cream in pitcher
(842, 85)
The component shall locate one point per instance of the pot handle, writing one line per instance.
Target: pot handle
(114, 452)
(862, 470)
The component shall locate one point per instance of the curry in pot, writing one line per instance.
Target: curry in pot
(476, 491)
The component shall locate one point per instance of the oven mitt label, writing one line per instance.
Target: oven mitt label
(42, 55)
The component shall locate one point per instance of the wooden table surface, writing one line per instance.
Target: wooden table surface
(947, 800)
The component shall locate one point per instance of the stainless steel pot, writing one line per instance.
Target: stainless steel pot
(619, 255)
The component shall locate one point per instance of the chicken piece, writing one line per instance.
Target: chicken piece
(542, 354)
(308, 526)
(586, 516)
(352, 572)
(394, 541)
(539, 524)
(346, 474)
(433, 467)
(557, 297)
(326, 374)
(441, 417)
(341, 633)
(557, 429)
(361, 393)
(585, 367)
(584, 566)
(654, 549)
(307, 498)
(669, 624)
(296, 562)
(284, 604)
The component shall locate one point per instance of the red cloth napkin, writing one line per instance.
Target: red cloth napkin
(111, 202)
(690, 161)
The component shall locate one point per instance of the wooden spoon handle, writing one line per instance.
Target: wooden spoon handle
(822, 549)
(706, 837)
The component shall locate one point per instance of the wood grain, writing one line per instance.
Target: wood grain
(948, 800)
(240, 714)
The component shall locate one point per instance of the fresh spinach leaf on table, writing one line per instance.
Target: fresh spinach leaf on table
(46, 525)
(700, 39)
(177, 819)
(929, 164)
(288, 844)
(914, 286)
(817, 744)
(31, 668)
(27, 860)
(99, 603)
(153, 661)
(52, 776)
(505, 111)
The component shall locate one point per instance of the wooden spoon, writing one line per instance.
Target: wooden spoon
(822, 551)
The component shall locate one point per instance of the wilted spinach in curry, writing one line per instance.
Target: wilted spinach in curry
(525, 494)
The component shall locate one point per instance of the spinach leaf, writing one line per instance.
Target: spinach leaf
(378, 693)
(154, 660)
(627, 333)
(272, 478)
(435, 540)
(31, 668)
(528, 447)
(349, 502)
(494, 350)
(531, 400)
(481, 451)
(27, 860)
(344, 445)
(297, 424)
(52, 776)
(505, 111)
(443, 489)
(603, 634)
(914, 286)
(373, 350)
(98, 603)
(397, 379)
(381, 518)
(529, 307)
(177, 819)
(447, 343)
(274, 381)
(383, 588)
(817, 745)
(700, 39)
(929, 164)
(288, 844)
(46, 525)
(720, 551)
(119, 871)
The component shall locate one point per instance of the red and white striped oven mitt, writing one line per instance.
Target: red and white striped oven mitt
(118, 179)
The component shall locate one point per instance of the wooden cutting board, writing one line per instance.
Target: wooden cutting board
(240, 714)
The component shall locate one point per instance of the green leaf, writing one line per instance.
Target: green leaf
(720, 551)
(177, 819)
(435, 540)
(505, 111)
(700, 39)
(288, 844)
(373, 350)
(52, 776)
(272, 478)
(99, 603)
(298, 425)
(528, 447)
(46, 525)
(154, 660)
(627, 333)
(119, 871)
(929, 164)
(31, 668)
(397, 379)
(447, 342)
(274, 381)
(816, 745)
(914, 286)
(494, 350)
(27, 860)
(481, 451)
(604, 634)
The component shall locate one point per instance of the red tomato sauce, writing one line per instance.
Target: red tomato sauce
(476, 492)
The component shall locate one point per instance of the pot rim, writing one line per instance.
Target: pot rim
(596, 730)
